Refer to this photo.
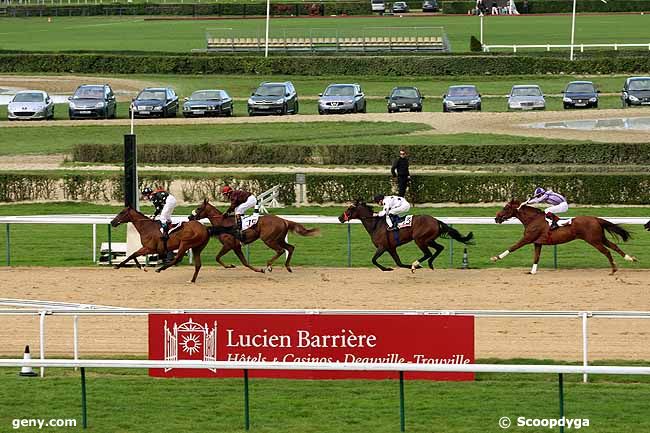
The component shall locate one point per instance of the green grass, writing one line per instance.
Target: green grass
(110, 33)
(121, 401)
(31, 244)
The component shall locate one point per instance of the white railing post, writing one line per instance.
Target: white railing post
(94, 243)
(41, 332)
(585, 356)
(75, 337)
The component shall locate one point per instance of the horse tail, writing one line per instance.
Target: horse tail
(302, 230)
(446, 231)
(614, 229)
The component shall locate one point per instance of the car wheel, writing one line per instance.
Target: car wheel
(365, 107)
(444, 109)
(596, 105)
(566, 107)
(321, 112)
(478, 107)
(296, 108)
(624, 103)
(229, 113)
(354, 109)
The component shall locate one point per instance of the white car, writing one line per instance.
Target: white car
(526, 97)
(31, 104)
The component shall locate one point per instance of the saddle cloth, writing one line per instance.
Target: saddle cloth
(173, 227)
(406, 222)
(248, 222)
(562, 222)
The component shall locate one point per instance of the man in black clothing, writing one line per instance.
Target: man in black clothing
(400, 169)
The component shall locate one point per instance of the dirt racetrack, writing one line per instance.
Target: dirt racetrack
(331, 288)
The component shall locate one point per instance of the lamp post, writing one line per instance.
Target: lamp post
(573, 28)
(268, 19)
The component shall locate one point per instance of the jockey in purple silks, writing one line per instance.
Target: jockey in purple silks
(558, 204)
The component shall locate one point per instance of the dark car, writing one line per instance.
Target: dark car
(460, 98)
(342, 98)
(155, 102)
(580, 94)
(429, 6)
(404, 99)
(636, 91)
(400, 7)
(273, 98)
(92, 101)
(208, 103)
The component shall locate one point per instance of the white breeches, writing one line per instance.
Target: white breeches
(397, 210)
(558, 208)
(166, 213)
(249, 203)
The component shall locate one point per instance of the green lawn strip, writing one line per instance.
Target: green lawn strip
(31, 244)
(115, 403)
(80, 33)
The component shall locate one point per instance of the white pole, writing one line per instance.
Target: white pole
(268, 19)
(573, 28)
(42, 339)
(585, 362)
(94, 243)
(75, 333)
(132, 116)
(481, 29)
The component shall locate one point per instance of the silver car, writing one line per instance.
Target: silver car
(526, 97)
(342, 98)
(31, 104)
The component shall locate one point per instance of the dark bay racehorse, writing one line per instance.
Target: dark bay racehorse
(536, 231)
(424, 230)
(191, 235)
(271, 229)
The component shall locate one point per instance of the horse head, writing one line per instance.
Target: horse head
(509, 210)
(357, 210)
(123, 217)
(205, 210)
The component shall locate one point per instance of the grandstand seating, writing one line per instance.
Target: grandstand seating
(419, 43)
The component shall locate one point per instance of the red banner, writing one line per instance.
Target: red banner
(362, 338)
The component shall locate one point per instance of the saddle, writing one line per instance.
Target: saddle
(172, 227)
(561, 222)
(249, 222)
(401, 222)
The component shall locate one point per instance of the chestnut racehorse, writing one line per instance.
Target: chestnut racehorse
(537, 232)
(271, 229)
(191, 235)
(424, 230)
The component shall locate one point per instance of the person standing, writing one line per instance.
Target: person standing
(400, 170)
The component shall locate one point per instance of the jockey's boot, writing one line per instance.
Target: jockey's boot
(165, 238)
(554, 219)
(395, 221)
(238, 233)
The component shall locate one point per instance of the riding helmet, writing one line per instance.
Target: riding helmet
(539, 190)
(147, 191)
(378, 198)
(226, 190)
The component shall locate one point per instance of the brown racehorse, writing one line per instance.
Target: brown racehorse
(424, 230)
(271, 229)
(191, 235)
(537, 232)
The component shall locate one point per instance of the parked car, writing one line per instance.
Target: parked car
(580, 94)
(208, 103)
(342, 98)
(378, 6)
(430, 6)
(29, 105)
(274, 98)
(404, 99)
(459, 98)
(400, 7)
(92, 101)
(636, 91)
(155, 102)
(526, 97)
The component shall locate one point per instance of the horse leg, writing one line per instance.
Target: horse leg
(222, 252)
(378, 254)
(243, 260)
(427, 254)
(600, 247)
(141, 252)
(613, 246)
(196, 251)
(279, 250)
(538, 252)
(290, 249)
(438, 249)
(512, 249)
(182, 249)
(398, 261)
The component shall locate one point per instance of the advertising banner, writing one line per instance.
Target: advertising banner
(358, 338)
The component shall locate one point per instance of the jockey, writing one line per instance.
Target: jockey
(164, 204)
(393, 207)
(240, 202)
(558, 204)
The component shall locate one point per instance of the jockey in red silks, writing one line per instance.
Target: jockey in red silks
(240, 202)
(393, 207)
(557, 201)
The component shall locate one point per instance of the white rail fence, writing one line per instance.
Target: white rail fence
(548, 47)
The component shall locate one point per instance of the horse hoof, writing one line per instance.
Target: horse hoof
(289, 269)
(144, 269)
(259, 270)
(387, 269)
(494, 259)
(116, 267)
(269, 269)
(158, 270)
(231, 267)
(630, 258)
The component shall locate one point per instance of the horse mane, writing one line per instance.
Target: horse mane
(138, 212)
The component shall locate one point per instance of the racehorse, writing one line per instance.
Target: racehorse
(537, 232)
(271, 229)
(191, 235)
(424, 230)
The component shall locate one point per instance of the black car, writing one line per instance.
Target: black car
(636, 91)
(92, 101)
(273, 98)
(404, 99)
(208, 103)
(155, 102)
(429, 6)
(580, 94)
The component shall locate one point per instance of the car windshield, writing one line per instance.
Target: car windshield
(89, 93)
(580, 88)
(400, 4)
(152, 94)
(378, 2)
(28, 97)
(526, 91)
(339, 91)
(405, 93)
(462, 91)
(270, 91)
(640, 85)
(205, 95)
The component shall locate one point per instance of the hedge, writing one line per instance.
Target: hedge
(554, 6)
(594, 189)
(354, 155)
